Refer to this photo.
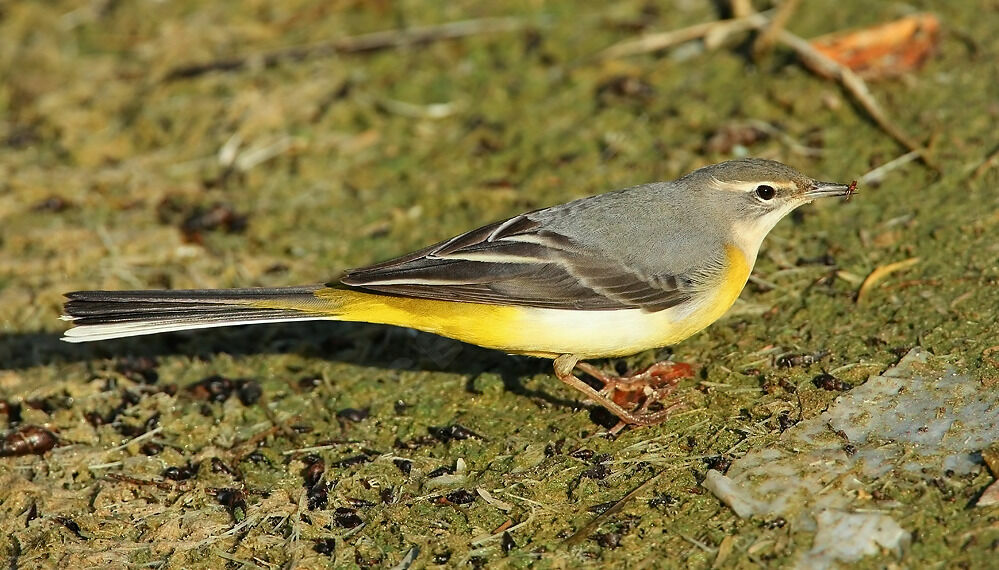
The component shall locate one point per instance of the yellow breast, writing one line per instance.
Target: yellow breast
(602, 334)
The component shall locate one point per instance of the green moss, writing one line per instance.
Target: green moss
(87, 117)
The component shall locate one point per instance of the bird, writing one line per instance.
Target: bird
(603, 276)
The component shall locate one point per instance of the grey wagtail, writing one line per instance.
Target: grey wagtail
(603, 276)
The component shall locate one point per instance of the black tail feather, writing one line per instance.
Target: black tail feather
(110, 314)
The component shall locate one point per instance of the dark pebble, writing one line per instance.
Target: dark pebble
(404, 465)
(27, 440)
(325, 546)
(829, 382)
(181, 473)
(353, 414)
(461, 497)
(346, 518)
(249, 392)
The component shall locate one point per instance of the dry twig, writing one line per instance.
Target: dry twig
(590, 526)
(990, 162)
(165, 485)
(768, 36)
(714, 33)
(876, 175)
(855, 86)
(742, 8)
(364, 43)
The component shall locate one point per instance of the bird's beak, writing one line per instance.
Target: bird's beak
(829, 190)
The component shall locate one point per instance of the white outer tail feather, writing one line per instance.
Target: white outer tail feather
(103, 315)
(91, 333)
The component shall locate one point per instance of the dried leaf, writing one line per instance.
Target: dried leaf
(880, 273)
(990, 496)
(885, 50)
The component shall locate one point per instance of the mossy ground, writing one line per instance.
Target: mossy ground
(104, 157)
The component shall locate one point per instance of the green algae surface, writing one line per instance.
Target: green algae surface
(116, 172)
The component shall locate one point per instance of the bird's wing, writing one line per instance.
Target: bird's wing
(520, 262)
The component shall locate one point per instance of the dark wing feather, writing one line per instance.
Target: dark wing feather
(519, 262)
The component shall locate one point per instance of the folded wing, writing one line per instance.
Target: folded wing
(520, 262)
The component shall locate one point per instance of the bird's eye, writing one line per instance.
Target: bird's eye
(765, 192)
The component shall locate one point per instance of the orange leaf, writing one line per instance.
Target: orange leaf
(885, 50)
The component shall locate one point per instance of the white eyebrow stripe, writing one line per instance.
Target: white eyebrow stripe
(744, 186)
(731, 185)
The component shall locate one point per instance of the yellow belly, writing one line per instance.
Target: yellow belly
(544, 332)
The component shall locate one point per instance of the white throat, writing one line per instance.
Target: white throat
(748, 234)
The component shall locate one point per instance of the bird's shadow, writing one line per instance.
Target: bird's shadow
(376, 346)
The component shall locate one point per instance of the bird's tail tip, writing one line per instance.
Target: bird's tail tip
(104, 315)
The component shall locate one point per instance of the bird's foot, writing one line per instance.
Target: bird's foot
(631, 398)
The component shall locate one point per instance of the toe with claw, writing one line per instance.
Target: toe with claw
(627, 397)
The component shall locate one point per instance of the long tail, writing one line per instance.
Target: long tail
(100, 315)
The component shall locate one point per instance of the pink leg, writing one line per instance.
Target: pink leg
(627, 397)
